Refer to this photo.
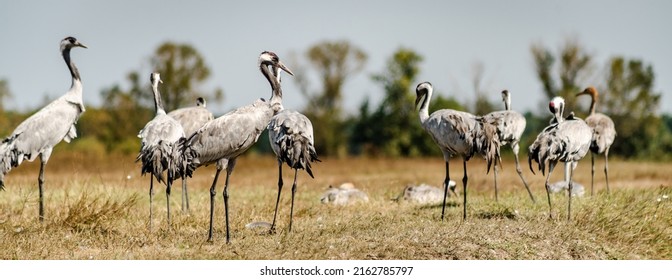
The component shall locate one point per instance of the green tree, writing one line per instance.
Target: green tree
(632, 103)
(127, 111)
(183, 70)
(335, 62)
(393, 128)
(575, 67)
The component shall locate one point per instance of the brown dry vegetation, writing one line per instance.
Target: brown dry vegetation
(93, 211)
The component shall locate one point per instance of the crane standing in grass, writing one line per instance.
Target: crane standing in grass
(510, 127)
(290, 134)
(191, 119)
(457, 133)
(566, 140)
(38, 134)
(159, 151)
(604, 133)
(222, 140)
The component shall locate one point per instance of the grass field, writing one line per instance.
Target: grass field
(98, 209)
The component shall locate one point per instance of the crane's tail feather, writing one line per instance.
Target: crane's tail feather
(488, 142)
(163, 156)
(529, 162)
(187, 160)
(298, 152)
(10, 157)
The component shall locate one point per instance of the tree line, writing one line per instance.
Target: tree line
(390, 128)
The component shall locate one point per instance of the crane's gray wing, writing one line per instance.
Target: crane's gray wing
(229, 135)
(450, 130)
(510, 125)
(191, 118)
(46, 128)
(159, 150)
(291, 137)
(604, 132)
(567, 141)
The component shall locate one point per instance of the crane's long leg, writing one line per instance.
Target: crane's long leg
(496, 192)
(185, 196)
(151, 197)
(168, 183)
(277, 201)
(446, 182)
(464, 184)
(225, 194)
(212, 201)
(569, 201)
(516, 148)
(606, 167)
(592, 172)
(548, 189)
(40, 182)
(291, 209)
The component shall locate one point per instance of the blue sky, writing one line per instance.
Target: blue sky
(451, 36)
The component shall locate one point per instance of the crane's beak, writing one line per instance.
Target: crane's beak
(78, 44)
(417, 101)
(581, 93)
(284, 68)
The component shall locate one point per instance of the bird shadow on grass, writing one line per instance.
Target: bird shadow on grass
(449, 204)
(499, 213)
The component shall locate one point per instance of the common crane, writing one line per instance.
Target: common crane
(222, 140)
(565, 140)
(510, 127)
(191, 119)
(159, 150)
(290, 134)
(604, 133)
(457, 134)
(38, 134)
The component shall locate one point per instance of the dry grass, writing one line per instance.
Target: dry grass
(93, 211)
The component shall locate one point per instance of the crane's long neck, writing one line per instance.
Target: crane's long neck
(424, 107)
(158, 103)
(71, 66)
(559, 113)
(276, 90)
(507, 103)
(593, 104)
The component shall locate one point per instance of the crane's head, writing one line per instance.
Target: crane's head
(422, 91)
(155, 78)
(557, 107)
(505, 94)
(270, 59)
(589, 91)
(71, 42)
(200, 102)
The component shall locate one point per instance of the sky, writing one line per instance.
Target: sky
(451, 36)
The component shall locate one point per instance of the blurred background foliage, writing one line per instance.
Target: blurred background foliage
(391, 128)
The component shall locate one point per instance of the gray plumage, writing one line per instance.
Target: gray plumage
(191, 118)
(565, 140)
(159, 150)
(510, 127)
(222, 140)
(38, 134)
(290, 134)
(457, 134)
(604, 133)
